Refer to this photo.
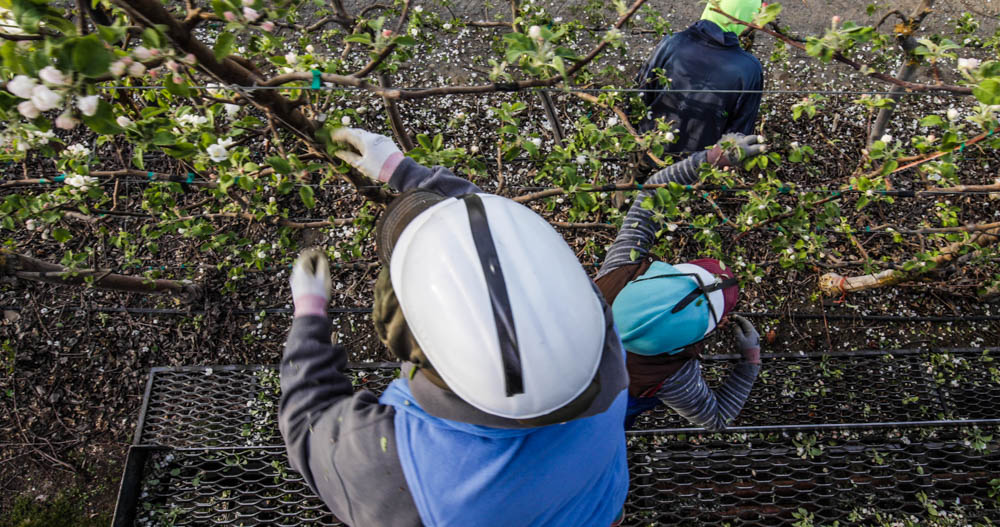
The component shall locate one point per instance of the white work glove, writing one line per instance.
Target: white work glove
(311, 283)
(733, 148)
(379, 155)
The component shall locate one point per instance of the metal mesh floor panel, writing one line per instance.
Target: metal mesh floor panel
(236, 405)
(815, 480)
(226, 487)
(208, 452)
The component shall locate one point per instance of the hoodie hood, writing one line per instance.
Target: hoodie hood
(741, 9)
(710, 32)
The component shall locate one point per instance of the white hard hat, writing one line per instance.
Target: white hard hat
(516, 333)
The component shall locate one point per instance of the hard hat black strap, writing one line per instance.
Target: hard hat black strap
(510, 355)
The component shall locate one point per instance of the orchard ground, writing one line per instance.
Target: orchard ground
(72, 379)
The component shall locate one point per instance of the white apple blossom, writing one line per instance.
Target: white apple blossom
(345, 120)
(123, 121)
(231, 109)
(143, 53)
(218, 152)
(310, 48)
(117, 68)
(250, 14)
(886, 139)
(414, 31)
(51, 75)
(537, 141)
(267, 25)
(446, 26)
(474, 149)
(291, 58)
(27, 109)
(418, 9)
(968, 64)
(88, 105)
(21, 86)
(136, 69)
(81, 182)
(192, 120)
(45, 99)
(66, 121)
(31, 224)
(77, 150)
(612, 121)
(535, 32)
(669, 137)
(952, 114)
(581, 159)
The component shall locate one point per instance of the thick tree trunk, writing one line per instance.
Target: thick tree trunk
(835, 284)
(28, 268)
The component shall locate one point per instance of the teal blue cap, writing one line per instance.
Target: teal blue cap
(642, 312)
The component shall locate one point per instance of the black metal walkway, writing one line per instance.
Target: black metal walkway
(859, 438)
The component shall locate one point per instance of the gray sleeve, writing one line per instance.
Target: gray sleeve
(689, 395)
(638, 232)
(409, 175)
(343, 443)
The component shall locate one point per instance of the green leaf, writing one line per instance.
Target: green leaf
(988, 92)
(306, 193)
(27, 14)
(152, 38)
(90, 57)
(61, 235)
(281, 165)
(405, 40)
(932, 120)
(103, 121)
(179, 89)
(359, 38)
(224, 45)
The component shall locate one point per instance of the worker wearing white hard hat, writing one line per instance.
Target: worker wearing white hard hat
(509, 405)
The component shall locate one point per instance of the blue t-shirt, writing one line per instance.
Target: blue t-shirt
(459, 474)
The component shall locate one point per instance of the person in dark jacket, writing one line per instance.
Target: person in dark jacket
(664, 311)
(705, 56)
(509, 405)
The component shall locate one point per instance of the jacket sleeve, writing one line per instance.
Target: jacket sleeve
(409, 175)
(343, 443)
(638, 231)
(689, 395)
(748, 105)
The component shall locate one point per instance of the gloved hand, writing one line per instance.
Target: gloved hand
(379, 155)
(744, 146)
(311, 283)
(747, 338)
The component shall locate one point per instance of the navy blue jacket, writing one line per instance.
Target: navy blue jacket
(702, 57)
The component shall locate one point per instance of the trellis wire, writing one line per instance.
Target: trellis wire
(610, 187)
(567, 89)
(365, 310)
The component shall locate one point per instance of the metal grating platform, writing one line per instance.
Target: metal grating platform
(207, 449)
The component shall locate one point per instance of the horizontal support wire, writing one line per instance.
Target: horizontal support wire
(234, 87)
(350, 310)
(610, 187)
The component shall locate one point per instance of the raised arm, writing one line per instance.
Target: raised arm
(638, 230)
(335, 438)
(689, 395)
(380, 159)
